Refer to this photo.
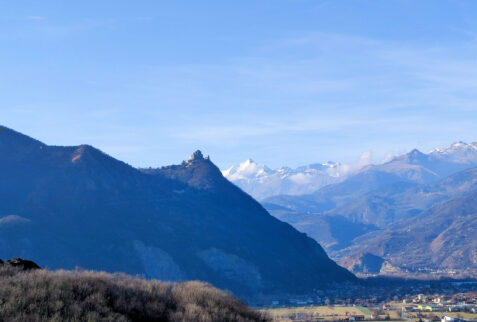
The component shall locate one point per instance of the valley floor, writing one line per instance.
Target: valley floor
(387, 311)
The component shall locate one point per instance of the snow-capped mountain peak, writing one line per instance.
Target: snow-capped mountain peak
(246, 170)
(456, 146)
(436, 150)
(261, 181)
(459, 152)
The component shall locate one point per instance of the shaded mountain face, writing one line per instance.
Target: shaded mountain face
(402, 201)
(333, 232)
(336, 195)
(442, 239)
(67, 207)
(425, 228)
(312, 213)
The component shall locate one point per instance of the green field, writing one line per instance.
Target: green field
(364, 310)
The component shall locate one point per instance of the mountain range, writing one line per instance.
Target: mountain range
(396, 211)
(430, 228)
(261, 182)
(75, 206)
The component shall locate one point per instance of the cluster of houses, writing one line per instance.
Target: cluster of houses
(462, 302)
(440, 307)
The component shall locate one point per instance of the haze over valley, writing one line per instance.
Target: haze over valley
(411, 216)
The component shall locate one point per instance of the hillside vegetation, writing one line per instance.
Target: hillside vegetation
(40, 295)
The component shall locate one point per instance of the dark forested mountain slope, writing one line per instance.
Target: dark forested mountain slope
(76, 206)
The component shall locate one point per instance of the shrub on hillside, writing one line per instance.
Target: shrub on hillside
(96, 296)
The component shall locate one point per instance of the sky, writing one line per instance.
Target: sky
(284, 82)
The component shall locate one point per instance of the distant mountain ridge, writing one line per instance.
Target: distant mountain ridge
(65, 207)
(441, 240)
(260, 181)
(459, 152)
(364, 214)
(413, 167)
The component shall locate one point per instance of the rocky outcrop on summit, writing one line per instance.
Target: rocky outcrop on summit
(197, 172)
(24, 264)
(67, 207)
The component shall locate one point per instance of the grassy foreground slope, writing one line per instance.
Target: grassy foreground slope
(41, 295)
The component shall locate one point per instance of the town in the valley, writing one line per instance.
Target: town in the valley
(417, 302)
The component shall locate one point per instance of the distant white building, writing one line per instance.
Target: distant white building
(446, 318)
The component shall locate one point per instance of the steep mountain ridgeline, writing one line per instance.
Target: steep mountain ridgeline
(65, 207)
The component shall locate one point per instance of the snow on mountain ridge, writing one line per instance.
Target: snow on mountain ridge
(261, 181)
(456, 146)
(459, 152)
(246, 170)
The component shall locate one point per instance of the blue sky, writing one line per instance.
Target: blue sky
(284, 82)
